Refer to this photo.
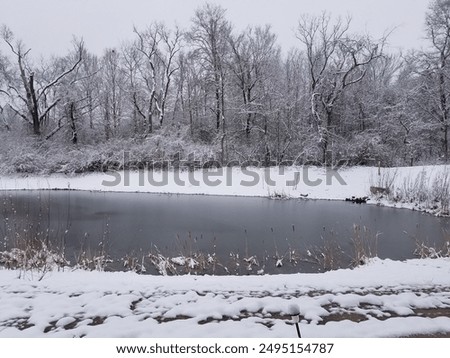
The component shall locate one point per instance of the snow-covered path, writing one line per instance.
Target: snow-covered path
(382, 299)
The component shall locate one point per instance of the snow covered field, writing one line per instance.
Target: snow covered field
(382, 299)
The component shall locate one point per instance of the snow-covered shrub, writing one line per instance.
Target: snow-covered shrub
(414, 189)
(33, 256)
(28, 163)
(363, 149)
(424, 250)
(163, 264)
(425, 190)
(134, 264)
(96, 262)
(441, 190)
(32, 157)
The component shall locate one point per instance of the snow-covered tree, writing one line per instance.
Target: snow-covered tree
(437, 66)
(156, 65)
(32, 97)
(336, 60)
(209, 37)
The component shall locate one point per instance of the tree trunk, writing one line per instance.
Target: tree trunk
(91, 112)
(247, 99)
(444, 109)
(107, 119)
(446, 143)
(73, 126)
(327, 155)
(218, 114)
(222, 104)
(34, 108)
(150, 115)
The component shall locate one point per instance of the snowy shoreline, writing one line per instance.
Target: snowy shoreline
(288, 182)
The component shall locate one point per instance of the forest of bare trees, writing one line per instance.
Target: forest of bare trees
(211, 92)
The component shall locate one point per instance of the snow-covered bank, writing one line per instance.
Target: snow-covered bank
(228, 181)
(383, 299)
(289, 182)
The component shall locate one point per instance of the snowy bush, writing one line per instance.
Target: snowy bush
(364, 149)
(133, 263)
(414, 189)
(28, 163)
(88, 262)
(441, 190)
(426, 190)
(424, 250)
(34, 257)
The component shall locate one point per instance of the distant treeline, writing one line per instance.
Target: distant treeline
(338, 97)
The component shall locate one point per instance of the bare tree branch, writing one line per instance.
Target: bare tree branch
(65, 73)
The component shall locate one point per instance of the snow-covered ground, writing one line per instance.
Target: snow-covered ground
(382, 299)
(292, 182)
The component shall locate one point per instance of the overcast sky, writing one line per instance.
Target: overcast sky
(47, 26)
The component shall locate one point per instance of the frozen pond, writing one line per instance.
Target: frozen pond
(228, 229)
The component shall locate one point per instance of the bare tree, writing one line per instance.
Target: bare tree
(438, 32)
(112, 94)
(254, 51)
(190, 88)
(147, 44)
(132, 59)
(89, 85)
(75, 98)
(159, 48)
(171, 46)
(336, 61)
(32, 97)
(3, 88)
(209, 36)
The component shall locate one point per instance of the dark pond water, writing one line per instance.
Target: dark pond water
(302, 235)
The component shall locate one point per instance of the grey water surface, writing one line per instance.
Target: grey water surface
(227, 227)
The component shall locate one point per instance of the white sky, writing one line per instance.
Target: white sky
(47, 26)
